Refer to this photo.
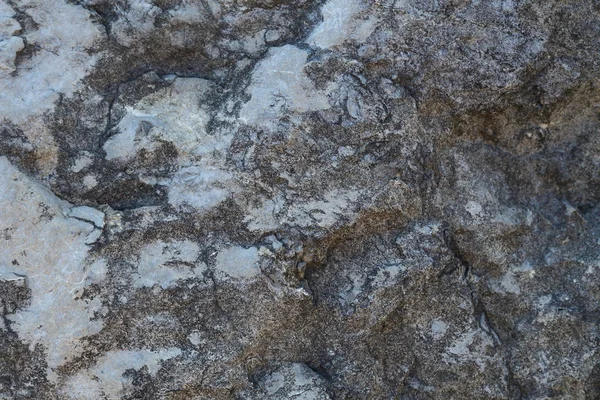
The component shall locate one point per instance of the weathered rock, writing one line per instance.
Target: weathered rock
(259, 199)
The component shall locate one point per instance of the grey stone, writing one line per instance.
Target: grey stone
(332, 199)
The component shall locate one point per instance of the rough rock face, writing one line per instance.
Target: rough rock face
(267, 199)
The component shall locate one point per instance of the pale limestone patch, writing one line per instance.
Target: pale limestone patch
(509, 284)
(5, 9)
(294, 381)
(105, 378)
(90, 182)
(97, 271)
(59, 65)
(254, 44)
(387, 275)
(7, 276)
(341, 22)
(474, 208)
(173, 114)
(351, 291)
(138, 19)
(324, 213)
(201, 187)
(460, 346)
(364, 283)
(84, 160)
(438, 328)
(529, 218)
(274, 382)
(176, 114)
(93, 236)
(546, 314)
(569, 209)
(470, 346)
(167, 263)
(346, 151)
(526, 266)
(215, 8)
(279, 83)
(430, 229)
(509, 217)
(54, 70)
(263, 218)
(238, 262)
(272, 213)
(189, 13)
(89, 214)
(50, 250)
(9, 45)
(272, 35)
(195, 338)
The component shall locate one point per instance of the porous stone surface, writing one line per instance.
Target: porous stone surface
(327, 199)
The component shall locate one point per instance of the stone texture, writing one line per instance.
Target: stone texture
(266, 199)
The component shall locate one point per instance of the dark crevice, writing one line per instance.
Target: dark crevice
(320, 370)
(7, 322)
(479, 312)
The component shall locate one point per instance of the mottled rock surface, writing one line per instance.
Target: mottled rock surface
(328, 199)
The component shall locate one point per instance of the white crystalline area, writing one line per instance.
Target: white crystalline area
(138, 19)
(166, 263)
(238, 262)
(201, 186)
(173, 114)
(61, 37)
(341, 21)
(264, 217)
(176, 114)
(294, 381)
(325, 213)
(105, 379)
(279, 83)
(59, 64)
(10, 45)
(89, 214)
(48, 249)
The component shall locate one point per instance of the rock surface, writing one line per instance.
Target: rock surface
(266, 199)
